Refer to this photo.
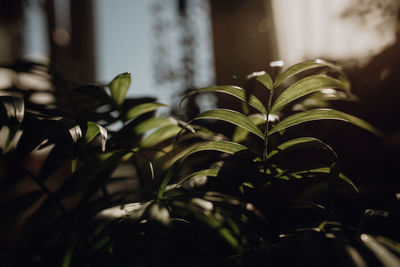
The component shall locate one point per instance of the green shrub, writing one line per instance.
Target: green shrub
(194, 193)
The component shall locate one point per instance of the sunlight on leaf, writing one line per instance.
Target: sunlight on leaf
(393, 245)
(119, 87)
(241, 134)
(233, 117)
(93, 129)
(12, 112)
(323, 114)
(303, 87)
(306, 65)
(266, 80)
(221, 146)
(385, 256)
(159, 213)
(133, 209)
(207, 172)
(238, 93)
(153, 123)
(11, 109)
(160, 135)
(142, 109)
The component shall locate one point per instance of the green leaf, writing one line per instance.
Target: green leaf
(383, 255)
(306, 86)
(241, 134)
(97, 168)
(266, 80)
(168, 159)
(12, 111)
(119, 87)
(323, 114)
(40, 130)
(238, 93)
(213, 222)
(68, 257)
(297, 68)
(319, 171)
(172, 169)
(153, 123)
(93, 129)
(393, 245)
(160, 135)
(74, 163)
(142, 109)
(206, 172)
(302, 142)
(221, 146)
(61, 154)
(262, 77)
(233, 117)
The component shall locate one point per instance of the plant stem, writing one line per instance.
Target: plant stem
(265, 151)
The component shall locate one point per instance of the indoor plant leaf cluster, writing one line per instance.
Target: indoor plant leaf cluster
(119, 185)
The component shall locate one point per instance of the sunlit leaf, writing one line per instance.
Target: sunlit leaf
(238, 93)
(241, 134)
(207, 172)
(297, 68)
(142, 109)
(173, 156)
(266, 80)
(12, 111)
(93, 129)
(233, 117)
(302, 142)
(382, 253)
(323, 114)
(119, 87)
(303, 87)
(48, 130)
(160, 135)
(393, 245)
(159, 213)
(171, 171)
(153, 123)
(221, 146)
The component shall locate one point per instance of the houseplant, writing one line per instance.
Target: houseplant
(206, 196)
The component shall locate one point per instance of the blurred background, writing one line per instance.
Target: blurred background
(172, 46)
